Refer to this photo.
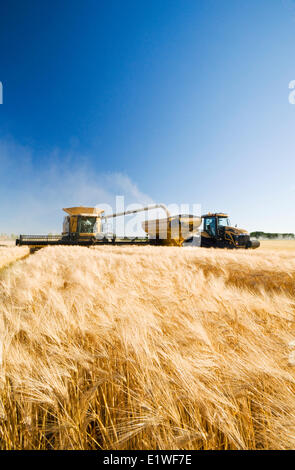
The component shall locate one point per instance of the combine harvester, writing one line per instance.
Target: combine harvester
(83, 226)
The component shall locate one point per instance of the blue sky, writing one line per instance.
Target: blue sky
(172, 101)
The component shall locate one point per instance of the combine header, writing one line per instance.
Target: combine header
(84, 226)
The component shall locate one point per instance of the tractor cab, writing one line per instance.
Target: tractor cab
(214, 224)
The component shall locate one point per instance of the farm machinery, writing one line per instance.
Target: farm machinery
(218, 233)
(84, 226)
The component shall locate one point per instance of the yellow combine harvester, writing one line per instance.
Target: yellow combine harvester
(84, 226)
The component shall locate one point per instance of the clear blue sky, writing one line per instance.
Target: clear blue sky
(175, 101)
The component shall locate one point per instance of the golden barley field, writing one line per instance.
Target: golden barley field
(148, 348)
(277, 245)
(10, 254)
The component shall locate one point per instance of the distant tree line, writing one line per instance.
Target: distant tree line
(273, 236)
(6, 236)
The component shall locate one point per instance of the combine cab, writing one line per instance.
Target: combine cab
(82, 224)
